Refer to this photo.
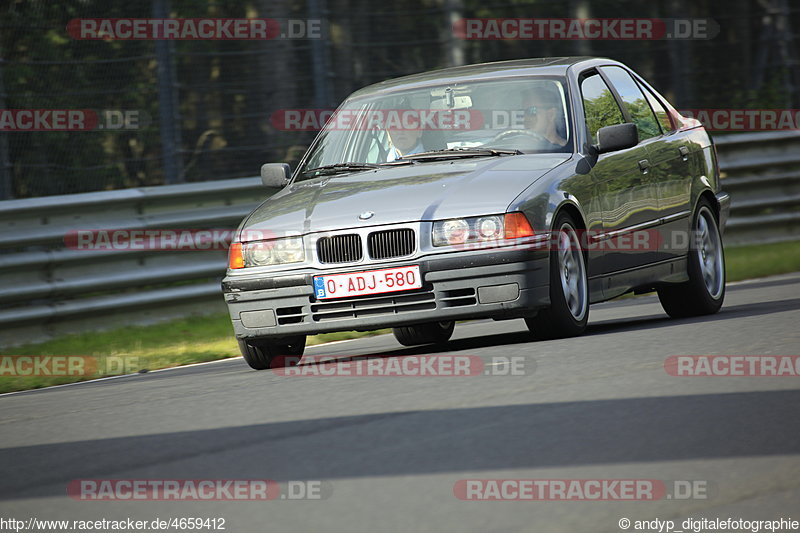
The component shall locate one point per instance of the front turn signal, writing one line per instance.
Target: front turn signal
(517, 226)
(235, 258)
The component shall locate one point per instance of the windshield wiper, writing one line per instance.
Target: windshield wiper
(449, 153)
(339, 168)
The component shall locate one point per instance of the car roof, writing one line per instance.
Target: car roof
(543, 66)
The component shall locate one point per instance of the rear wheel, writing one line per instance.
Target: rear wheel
(262, 354)
(430, 333)
(569, 287)
(704, 292)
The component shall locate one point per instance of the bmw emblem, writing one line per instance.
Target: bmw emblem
(366, 215)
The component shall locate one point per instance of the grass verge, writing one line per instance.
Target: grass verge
(761, 260)
(207, 338)
(125, 350)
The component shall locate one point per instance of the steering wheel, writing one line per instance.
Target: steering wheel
(510, 134)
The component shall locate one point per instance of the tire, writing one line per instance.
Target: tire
(429, 333)
(263, 354)
(704, 293)
(568, 313)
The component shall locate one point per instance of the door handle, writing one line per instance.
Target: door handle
(684, 152)
(644, 166)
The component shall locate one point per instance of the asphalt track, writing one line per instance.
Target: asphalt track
(389, 450)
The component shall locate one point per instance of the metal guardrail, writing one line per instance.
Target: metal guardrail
(761, 171)
(48, 289)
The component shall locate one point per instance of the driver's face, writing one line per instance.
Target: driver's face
(405, 140)
(543, 120)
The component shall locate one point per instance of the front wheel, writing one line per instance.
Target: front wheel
(261, 354)
(704, 292)
(430, 333)
(568, 313)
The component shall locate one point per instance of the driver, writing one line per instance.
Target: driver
(405, 142)
(541, 109)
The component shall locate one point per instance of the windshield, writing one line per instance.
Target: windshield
(529, 115)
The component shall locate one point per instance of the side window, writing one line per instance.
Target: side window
(658, 108)
(599, 105)
(634, 101)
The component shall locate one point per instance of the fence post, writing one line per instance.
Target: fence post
(454, 52)
(680, 54)
(169, 116)
(319, 56)
(579, 9)
(6, 176)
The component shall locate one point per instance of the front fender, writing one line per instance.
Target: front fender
(567, 185)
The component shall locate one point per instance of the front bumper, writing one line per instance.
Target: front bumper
(456, 286)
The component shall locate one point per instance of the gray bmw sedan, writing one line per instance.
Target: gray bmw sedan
(514, 190)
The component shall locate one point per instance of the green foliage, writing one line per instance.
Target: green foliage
(644, 119)
(227, 90)
(601, 111)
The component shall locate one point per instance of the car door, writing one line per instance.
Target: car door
(647, 242)
(674, 159)
(626, 193)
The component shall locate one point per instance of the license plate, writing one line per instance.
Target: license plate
(369, 282)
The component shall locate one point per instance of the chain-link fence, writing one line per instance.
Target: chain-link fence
(202, 107)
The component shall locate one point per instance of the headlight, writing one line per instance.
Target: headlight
(480, 229)
(274, 252)
(466, 230)
(454, 231)
(489, 228)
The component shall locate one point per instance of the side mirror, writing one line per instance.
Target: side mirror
(617, 137)
(275, 175)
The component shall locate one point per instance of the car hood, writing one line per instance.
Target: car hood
(425, 191)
